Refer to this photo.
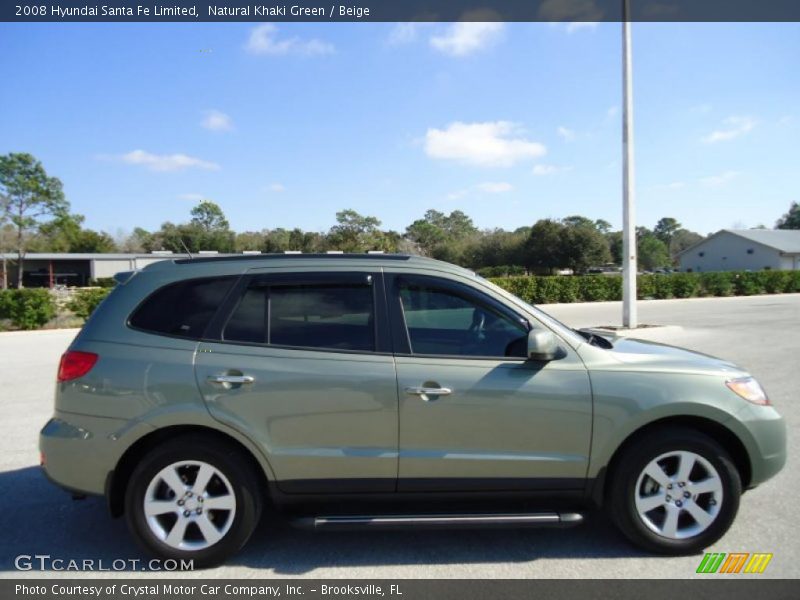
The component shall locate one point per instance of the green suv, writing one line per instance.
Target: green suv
(389, 391)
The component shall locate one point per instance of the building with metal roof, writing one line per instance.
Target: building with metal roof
(744, 250)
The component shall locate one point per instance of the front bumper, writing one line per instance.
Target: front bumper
(79, 451)
(765, 440)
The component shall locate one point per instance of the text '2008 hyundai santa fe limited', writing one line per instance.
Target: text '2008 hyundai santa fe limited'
(389, 391)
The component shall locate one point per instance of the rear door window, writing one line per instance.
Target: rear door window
(336, 316)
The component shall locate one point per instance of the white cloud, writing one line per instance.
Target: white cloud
(216, 120)
(495, 187)
(192, 197)
(543, 170)
(490, 144)
(264, 40)
(734, 127)
(566, 133)
(578, 25)
(276, 187)
(463, 38)
(405, 33)
(166, 162)
(719, 180)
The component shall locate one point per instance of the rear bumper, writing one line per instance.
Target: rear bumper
(79, 451)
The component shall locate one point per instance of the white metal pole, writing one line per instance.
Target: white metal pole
(629, 263)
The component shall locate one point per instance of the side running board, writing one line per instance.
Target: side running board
(440, 521)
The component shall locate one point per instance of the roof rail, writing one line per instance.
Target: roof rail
(257, 257)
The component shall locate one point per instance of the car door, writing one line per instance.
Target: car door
(475, 413)
(302, 365)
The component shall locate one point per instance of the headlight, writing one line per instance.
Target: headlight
(749, 389)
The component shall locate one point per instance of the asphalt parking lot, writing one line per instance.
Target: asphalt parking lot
(761, 333)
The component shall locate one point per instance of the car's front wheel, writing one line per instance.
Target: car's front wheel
(193, 498)
(675, 491)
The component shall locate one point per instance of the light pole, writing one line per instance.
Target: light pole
(629, 263)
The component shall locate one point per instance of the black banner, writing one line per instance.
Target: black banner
(398, 10)
(402, 589)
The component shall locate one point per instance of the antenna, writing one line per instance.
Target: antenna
(189, 254)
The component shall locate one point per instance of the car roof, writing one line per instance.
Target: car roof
(229, 264)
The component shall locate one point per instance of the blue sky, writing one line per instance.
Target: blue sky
(283, 125)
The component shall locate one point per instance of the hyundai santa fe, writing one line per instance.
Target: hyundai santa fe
(389, 391)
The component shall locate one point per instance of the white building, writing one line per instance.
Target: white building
(744, 250)
(73, 269)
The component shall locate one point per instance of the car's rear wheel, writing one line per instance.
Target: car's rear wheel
(193, 498)
(675, 491)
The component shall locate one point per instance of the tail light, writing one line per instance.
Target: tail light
(75, 364)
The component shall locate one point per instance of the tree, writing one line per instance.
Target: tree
(791, 220)
(665, 229)
(614, 241)
(603, 226)
(681, 240)
(543, 249)
(458, 226)
(426, 235)
(442, 236)
(578, 221)
(65, 233)
(88, 240)
(30, 197)
(583, 247)
(209, 216)
(249, 240)
(140, 240)
(652, 253)
(354, 232)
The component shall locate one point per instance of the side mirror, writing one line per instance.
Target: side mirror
(542, 344)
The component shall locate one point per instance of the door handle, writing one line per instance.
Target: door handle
(231, 379)
(424, 392)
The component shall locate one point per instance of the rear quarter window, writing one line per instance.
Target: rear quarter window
(182, 309)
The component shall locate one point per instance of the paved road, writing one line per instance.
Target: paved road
(761, 333)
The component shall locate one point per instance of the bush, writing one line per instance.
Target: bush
(597, 288)
(27, 308)
(793, 283)
(645, 287)
(775, 282)
(501, 271)
(5, 304)
(716, 284)
(569, 289)
(86, 300)
(748, 284)
(523, 287)
(104, 282)
(548, 289)
(684, 285)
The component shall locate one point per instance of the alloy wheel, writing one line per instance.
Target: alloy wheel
(678, 494)
(189, 505)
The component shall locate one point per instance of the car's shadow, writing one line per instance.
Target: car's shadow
(37, 518)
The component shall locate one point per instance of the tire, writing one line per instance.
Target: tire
(689, 516)
(205, 525)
